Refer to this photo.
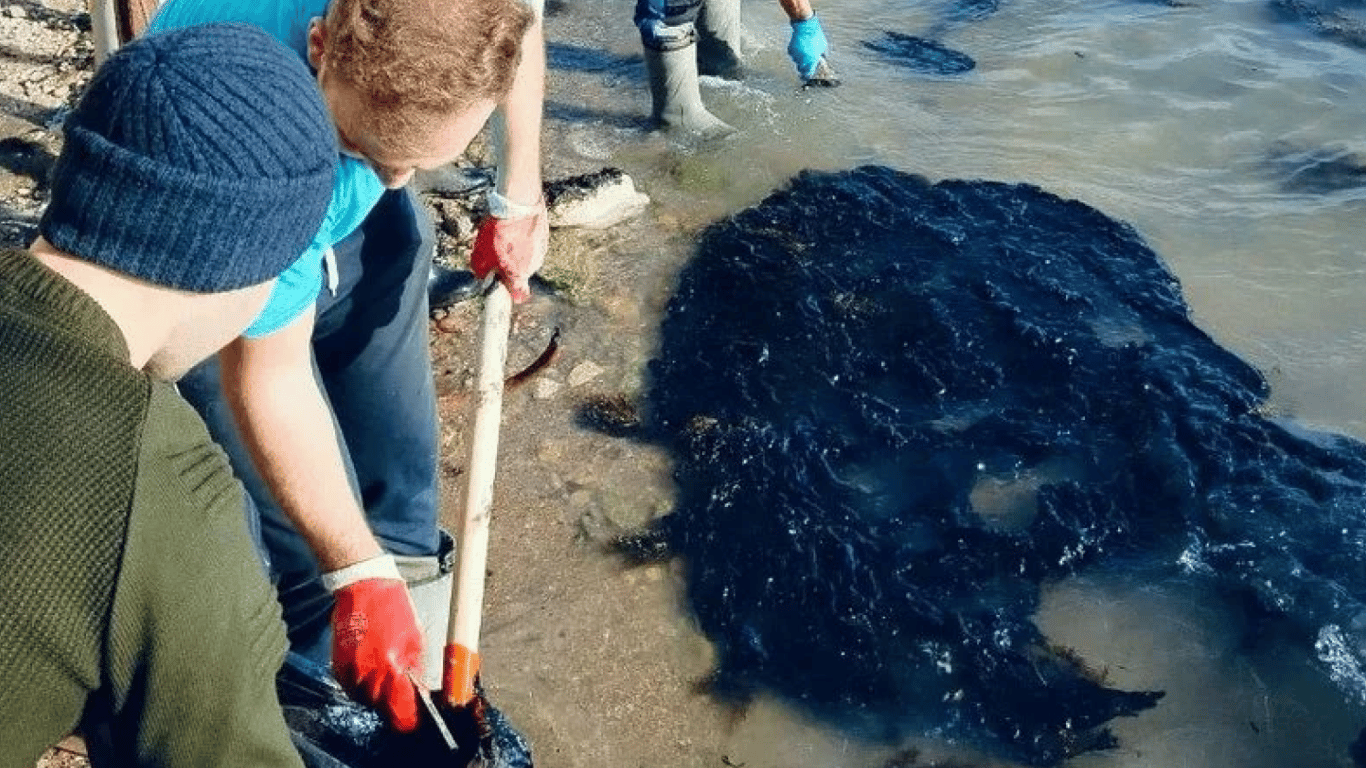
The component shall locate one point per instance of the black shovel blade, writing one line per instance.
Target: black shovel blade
(332, 731)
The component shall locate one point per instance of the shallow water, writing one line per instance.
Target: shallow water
(1168, 118)
(1183, 121)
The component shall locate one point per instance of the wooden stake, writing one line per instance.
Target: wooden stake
(115, 22)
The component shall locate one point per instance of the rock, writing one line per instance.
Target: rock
(545, 389)
(594, 200)
(616, 415)
(456, 220)
(584, 372)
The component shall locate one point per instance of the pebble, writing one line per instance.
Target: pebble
(459, 226)
(16, 12)
(584, 372)
(449, 323)
(546, 389)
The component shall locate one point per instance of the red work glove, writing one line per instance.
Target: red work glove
(375, 644)
(512, 240)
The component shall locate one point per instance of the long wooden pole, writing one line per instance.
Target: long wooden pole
(115, 22)
(461, 658)
(104, 28)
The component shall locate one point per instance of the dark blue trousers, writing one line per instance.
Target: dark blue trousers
(371, 358)
(650, 14)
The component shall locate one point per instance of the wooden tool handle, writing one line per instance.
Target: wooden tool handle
(461, 657)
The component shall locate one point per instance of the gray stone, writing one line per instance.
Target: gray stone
(594, 200)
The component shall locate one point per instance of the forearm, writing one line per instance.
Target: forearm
(287, 425)
(797, 10)
(517, 124)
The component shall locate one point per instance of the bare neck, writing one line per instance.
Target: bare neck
(139, 310)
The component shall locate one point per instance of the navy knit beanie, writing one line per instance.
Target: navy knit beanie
(200, 159)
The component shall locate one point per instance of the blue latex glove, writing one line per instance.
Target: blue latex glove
(807, 46)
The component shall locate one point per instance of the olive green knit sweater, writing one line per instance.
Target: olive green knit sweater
(130, 594)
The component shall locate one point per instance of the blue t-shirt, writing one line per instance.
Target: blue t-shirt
(357, 188)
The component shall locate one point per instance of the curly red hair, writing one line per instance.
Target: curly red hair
(416, 60)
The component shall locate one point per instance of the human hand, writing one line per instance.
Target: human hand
(807, 46)
(375, 644)
(512, 240)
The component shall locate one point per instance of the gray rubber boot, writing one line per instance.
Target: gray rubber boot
(719, 32)
(429, 585)
(675, 95)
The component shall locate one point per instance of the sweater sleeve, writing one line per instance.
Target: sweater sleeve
(195, 635)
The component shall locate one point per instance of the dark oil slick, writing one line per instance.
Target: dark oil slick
(1317, 170)
(920, 54)
(843, 370)
(1342, 21)
(926, 52)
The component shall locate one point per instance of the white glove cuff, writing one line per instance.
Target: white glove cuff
(379, 567)
(503, 208)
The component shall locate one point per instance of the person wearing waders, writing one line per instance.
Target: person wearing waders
(136, 610)
(685, 38)
(326, 404)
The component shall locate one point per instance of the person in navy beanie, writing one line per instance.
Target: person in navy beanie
(194, 144)
(133, 607)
